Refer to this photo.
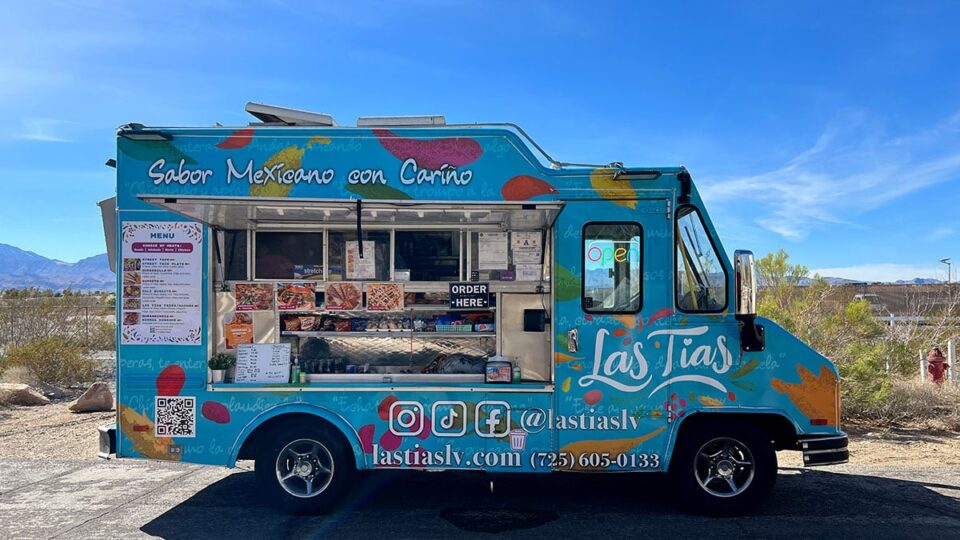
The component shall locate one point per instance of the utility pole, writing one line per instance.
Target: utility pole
(949, 262)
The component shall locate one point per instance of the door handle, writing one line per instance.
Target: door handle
(573, 340)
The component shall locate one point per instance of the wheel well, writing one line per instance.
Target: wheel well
(250, 446)
(781, 430)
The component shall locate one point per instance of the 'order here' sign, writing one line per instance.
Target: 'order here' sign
(469, 295)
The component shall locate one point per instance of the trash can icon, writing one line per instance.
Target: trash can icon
(518, 439)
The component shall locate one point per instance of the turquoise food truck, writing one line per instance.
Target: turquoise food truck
(410, 294)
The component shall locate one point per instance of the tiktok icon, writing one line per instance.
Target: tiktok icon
(449, 418)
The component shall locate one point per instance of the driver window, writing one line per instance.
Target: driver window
(701, 279)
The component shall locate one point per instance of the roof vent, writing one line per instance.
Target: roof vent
(401, 121)
(271, 114)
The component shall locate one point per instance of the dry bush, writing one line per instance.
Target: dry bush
(53, 360)
(910, 401)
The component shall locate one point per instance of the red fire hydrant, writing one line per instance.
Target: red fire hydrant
(937, 365)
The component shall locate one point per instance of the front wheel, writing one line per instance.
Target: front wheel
(724, 469)
(303, 470)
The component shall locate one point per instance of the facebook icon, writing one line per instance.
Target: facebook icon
(492, 419)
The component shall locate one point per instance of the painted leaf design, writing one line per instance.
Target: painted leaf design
(628, 321)
(659, 314)
(144, 442)
(745, 369)
(170, 380)
(290, 157)
(566, 385)
(614, 447)
(377, 191)
(618, 192)
(430, 154)
(215, 412)
(523, 187)
(709, 401)
(237, 139)
(746, 385)
(568, 284)
(563, 358)
(153, 150)
(563, 340)
(814, 395)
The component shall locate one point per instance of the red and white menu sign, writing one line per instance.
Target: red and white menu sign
(161, 283)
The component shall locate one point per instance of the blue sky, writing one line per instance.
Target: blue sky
(830, 129)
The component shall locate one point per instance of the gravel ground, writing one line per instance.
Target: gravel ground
(901, 483)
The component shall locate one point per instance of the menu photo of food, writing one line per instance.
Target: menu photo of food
(384, 296)
(254, 296)
(343, 296)
(131, 264)
(131, 277)
(131, 318)
(131, 291)
(296, 296)
(131, 303)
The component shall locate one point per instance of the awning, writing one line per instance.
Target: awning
(232, 213)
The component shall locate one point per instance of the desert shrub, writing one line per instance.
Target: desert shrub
(908, 400)
(53, 360)
(103, 336)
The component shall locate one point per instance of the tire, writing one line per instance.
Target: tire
(726, 468)
(304, 469)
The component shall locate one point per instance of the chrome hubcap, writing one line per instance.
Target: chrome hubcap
(724, 467)
(305, 468)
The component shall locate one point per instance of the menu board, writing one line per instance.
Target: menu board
(364, 268)
(492, 251)
(162, 283)
(296, 296)
(384, 296)
(267, 363)
(527, 247)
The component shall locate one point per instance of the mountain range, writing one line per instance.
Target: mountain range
(20, 268)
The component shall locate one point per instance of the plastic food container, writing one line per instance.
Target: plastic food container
(498, 370)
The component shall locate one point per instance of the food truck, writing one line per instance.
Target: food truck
(408, 294)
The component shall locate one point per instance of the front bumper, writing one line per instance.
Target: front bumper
(108, 441)
(824, 450)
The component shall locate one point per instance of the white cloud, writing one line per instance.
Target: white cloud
(41, 129)
(941, 233)
(884, 272)
(852, 167)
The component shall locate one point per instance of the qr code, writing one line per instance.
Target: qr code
(176, 416)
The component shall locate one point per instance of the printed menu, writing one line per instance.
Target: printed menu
(492, 251)
(237, 329)
(364, 268)
(162, 283)
(267, 363)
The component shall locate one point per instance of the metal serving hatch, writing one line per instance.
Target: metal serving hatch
(233, 213)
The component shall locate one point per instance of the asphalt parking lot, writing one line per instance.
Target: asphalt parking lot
(126, 499)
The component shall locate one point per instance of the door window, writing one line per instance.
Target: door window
(701, 280)
(612, 267)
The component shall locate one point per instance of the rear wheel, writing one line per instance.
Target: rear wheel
(304, 469)
(728, 468)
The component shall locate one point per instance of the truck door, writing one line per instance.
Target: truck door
(614, 280)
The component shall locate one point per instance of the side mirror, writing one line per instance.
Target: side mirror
(751, 333)
(745, 282)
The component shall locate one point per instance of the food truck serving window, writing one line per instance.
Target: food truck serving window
(701, 280)
(288, 255)
(612, 267)
(345, 262)
(235, 255)
(428, 255)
